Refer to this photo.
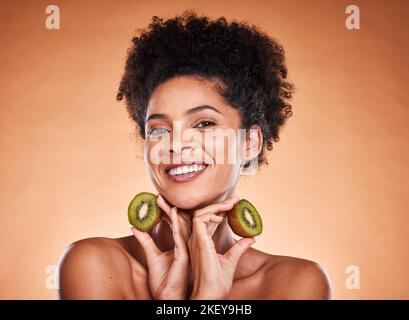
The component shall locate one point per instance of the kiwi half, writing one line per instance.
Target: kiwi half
(244, 219)
(143, 211)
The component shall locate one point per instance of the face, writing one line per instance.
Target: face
(193, 150)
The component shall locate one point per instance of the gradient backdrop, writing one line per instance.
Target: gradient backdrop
(337, 187)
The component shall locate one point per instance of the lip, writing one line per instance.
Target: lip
(181, 164)
(186, 177)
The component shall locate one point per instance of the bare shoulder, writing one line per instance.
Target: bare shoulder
(292, 278)
(90, 269)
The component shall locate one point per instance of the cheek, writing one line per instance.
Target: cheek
(227, 159)
(154, 151)
(225, 150)
(147, 151)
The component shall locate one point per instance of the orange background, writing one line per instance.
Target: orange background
(337, 187)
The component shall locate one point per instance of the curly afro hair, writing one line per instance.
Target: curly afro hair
(250, 65)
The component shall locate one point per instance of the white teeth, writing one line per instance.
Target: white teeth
(186, 169)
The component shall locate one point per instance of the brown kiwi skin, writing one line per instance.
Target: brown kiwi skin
(236, 225)
(157, 219)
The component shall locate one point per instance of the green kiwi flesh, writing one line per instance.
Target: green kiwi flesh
(244, 219)
(143, 211)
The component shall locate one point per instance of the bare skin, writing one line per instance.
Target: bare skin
(119, 271)
(103, 268)
(191, 253)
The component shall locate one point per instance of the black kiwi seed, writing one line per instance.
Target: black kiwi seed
(143, 211)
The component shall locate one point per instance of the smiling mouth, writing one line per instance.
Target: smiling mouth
(185, 173)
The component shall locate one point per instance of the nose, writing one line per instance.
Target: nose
(184, 151)
(175, 147)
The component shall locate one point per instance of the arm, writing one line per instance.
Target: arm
(85, 271)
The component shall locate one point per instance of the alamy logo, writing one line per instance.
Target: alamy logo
(53, 20)
(352, 21)
(353, 281)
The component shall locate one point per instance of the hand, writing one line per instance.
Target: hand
(213, 273)
(168, 270)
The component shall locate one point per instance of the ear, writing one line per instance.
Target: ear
(254, 142)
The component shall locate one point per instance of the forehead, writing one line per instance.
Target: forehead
(181, 93)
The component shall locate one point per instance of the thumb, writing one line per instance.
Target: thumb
(236, 251)
(147, 244)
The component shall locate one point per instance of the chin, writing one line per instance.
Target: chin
(185, 200)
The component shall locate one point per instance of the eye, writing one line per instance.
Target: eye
(158, 131)
(205, 123)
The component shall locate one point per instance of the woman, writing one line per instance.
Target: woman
(193, 74)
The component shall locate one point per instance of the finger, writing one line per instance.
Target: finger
(147, 244)
(184, 223)
(184, 215)
(211, 227)
(208, 219)
(180, 245)
(236, 251)
(212, 221)
(166, 207)
(218, 206)
(180, 262)
(185, 227)
(205, 225)
(163, 204)
(184, 219)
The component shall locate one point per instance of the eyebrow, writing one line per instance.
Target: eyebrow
(188, 112)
